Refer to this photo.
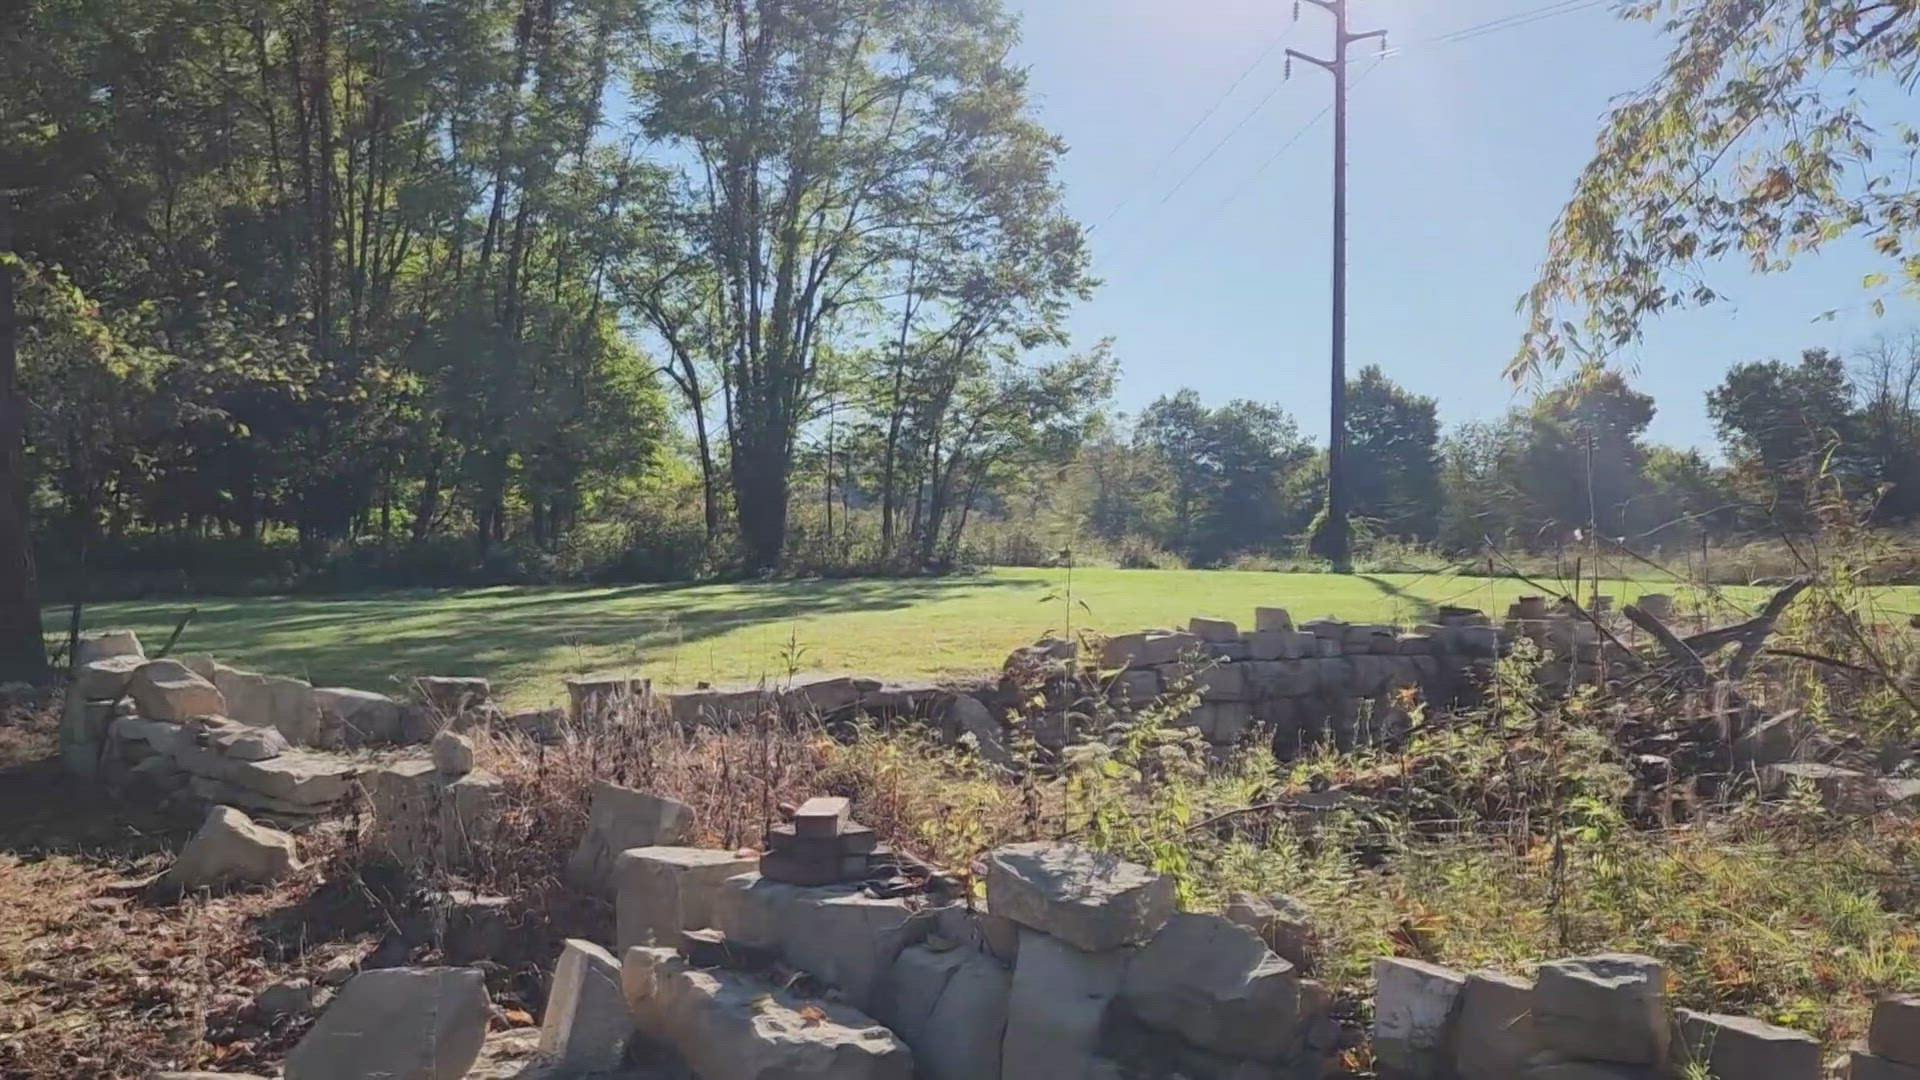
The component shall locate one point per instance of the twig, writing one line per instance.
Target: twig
(1829, 661)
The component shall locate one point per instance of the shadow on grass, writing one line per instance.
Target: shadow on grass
(365, 640)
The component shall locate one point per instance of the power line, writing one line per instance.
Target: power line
(1508, 22)
(1272, 44)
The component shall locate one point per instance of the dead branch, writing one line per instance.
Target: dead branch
(1681, 653)
(1755, 637)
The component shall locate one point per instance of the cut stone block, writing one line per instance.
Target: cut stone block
(451, 695)
(169, 690)
(1413, 1010)
(356, 717)
(398, 1024)
(298, 776)
(423, 817)
(1216, 985)
(234, 739)
(1057, 1005)
(1213, 631)
(837, 933)
(230, 849)
(1092, 901)
(586, 1024)
(966, 717)
(284, 704)
(619, 818)
(1895, 1031)
(730, 1026)
(1839, 789)
(1279, 921)
(1611, 1007)
(452, 754)
(102, 644)
(105, 678)
(1865, 1066)
(950, 1008)
(1272, 618)
(1739, 1048)
(601, 696)
(1493, 1037)
(821, 817)
(1149, 649)
(661, 891)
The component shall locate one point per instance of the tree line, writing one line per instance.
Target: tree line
(655, 289)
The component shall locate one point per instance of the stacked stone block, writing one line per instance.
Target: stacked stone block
(820, 846)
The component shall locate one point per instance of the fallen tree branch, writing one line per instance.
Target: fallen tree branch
(1763, 626)
(1682, 654)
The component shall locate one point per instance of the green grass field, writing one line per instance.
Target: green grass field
(526, 638)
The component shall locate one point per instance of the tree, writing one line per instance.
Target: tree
(1392, 455)
(1786, 427)
(23, 644)
(1753, 142)
(1886, 380)
(1230, 467)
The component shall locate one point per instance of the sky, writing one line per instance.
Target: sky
(1216, 257)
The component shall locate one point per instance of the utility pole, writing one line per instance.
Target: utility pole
(1337, 542)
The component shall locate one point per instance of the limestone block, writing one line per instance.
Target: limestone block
(1136, 686)
(1895, 1031)
(230, 849)
(1279, 644)
(950, 1008)
(1413, 1011)
(452, 754)
(1272, 618)
(1147, 649)
(169, 690)
(1865, 1066)
(729, 1026)
(1222, 682)
(275, 701)
(661, 890)
(835, 932)
(356, 717)
(421, 816)
(604, 696)
(619, 818)
(1283, 678)
(234, 739)
(1739, 1048)
(398, 1024)
(1091, 900)
(300, 777)
(1212, 630)
(451, 695)
(102, 644)
(1058, 1002)
(586, 1025)
(106, 677)
(1281, 922)
(1494, 1037)
(1611, 1007)
(1216, 985)
(969, 719)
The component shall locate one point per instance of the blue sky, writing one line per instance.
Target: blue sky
(1461, 154)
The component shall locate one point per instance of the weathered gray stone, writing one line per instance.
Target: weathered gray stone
(1895, 1031)
(83, 732)
(1213, 631)
(661, 890)
(586, 1024)
(397, 1024)
(1222, 723)
(969, 719)
(106, 677)
(619, 818)
(950, 1007)
(1279, 921)
(1739, 1048)
(1841, 790)
(451, 695)
(1283, 678)
(598, 697)
(234, 739)
(1493, 1036)
(1272, 618)
(230, 849)
(101, 644)
(977, 928)
(1773, 740)
(1611, 1007)
(421, 816)
(356, 717)
(1092, 901)
(169, 690)
(1147, 649)
(1222, 682)
(452, 753)
(827, 695)
(221, 793)
(1057, 1004)
(835, 932)
(1413, 1010)
(298, 776)
(276, 701)
(1216, 985)
(730, 1026)
(1865, 1066)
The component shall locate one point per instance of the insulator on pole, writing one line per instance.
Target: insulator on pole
(1296, 10)
(1289, 74)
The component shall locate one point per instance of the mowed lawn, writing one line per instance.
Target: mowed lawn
(526, 639)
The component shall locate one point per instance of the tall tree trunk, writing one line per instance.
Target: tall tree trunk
(761, 492)
(23, 643)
